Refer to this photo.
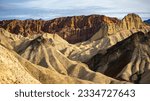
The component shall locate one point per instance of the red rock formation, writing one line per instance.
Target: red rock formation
(73, 29)
(131, 21)
(23, 27)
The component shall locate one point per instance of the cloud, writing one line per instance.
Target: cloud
(57, 4)
(48, 9)
(123, 5)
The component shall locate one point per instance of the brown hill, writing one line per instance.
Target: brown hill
(48, 64)
(40, 51)
(127, 60)
(16, 70)
(73, 29)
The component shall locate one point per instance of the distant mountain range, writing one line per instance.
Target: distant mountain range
(147, 21)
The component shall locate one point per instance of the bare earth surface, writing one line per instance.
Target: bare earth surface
(114, 51)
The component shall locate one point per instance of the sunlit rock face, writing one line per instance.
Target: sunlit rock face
(73, 29)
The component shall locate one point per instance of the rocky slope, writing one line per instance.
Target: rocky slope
(16, 70)
(48, 64)
(116, 51)
(127, 60)
(74, 29)
(40, 51)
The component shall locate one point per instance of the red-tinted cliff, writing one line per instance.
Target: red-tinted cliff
(73, 29)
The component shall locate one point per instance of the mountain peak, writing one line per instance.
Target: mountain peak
(132, 21)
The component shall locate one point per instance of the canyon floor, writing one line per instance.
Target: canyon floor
(93, 49)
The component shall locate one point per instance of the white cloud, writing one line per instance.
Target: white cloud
(58, 8)
(63, 4)
(131, 5)
(118, 5)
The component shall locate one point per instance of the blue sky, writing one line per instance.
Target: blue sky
(49, 9)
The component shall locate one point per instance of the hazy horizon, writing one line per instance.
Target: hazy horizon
(46, 10)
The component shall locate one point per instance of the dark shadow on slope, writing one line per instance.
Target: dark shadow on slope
(119, 55)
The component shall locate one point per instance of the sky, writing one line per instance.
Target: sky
(49, 9)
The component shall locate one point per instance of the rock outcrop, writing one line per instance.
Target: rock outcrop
(132, 21)
(73, 29)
